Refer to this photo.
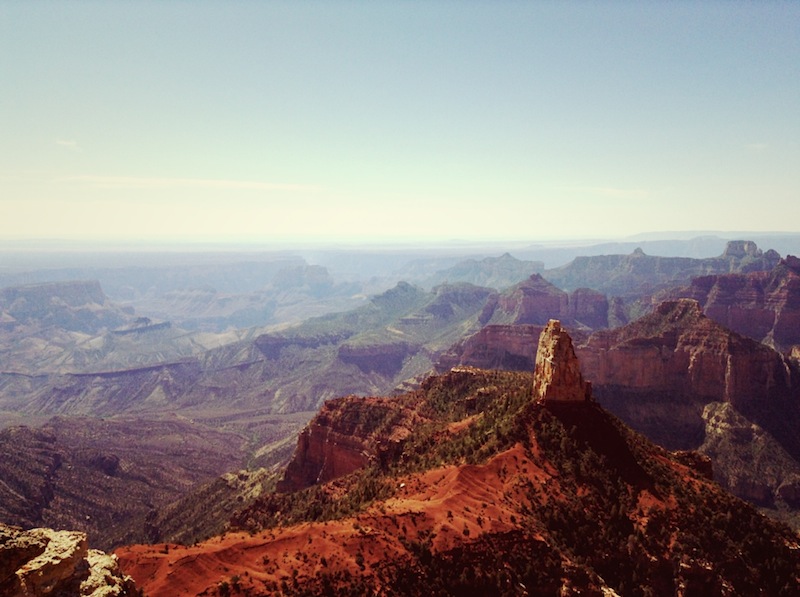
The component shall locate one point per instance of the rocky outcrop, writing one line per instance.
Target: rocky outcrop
(557, 375)
(508, 347)
(344, 436)
(41, 562)
(588, 308)
(764, 306)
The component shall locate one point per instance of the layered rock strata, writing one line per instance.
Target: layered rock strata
(677, 350)
(346, 435)
(764, 306)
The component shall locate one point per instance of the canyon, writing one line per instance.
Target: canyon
(678, 374)
(491, 489)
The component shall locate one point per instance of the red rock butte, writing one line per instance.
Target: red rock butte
(557, 374)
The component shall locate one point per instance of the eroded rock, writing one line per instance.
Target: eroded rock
(557, 374)
(42, 562)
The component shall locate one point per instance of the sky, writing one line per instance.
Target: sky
(368, 121)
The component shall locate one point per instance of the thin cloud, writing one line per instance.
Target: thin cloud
(69, 144)
(134, 182)
(757, 147)
(614, 192)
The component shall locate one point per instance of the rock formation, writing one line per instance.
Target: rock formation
(535, 301)
(41, 562)
(557, 375)
(636, 273)
(677, 350)
(764, 306)
(748, 461)
(344, 436)
(508, 347)
(513, 320)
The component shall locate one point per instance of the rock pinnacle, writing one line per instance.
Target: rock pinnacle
(557, 375)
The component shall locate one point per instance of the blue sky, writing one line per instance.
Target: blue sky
(262, 121)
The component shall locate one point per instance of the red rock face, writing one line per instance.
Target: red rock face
(589, 307)
(764, 306)
(534, 301)
(321, 455)
(678, 350)
(517, 317)
(509, 347)
(344, 436)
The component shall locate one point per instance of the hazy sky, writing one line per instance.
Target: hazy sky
(390, 120)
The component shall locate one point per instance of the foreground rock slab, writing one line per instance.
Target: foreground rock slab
(42, 562)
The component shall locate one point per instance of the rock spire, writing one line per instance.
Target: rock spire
(557, 374)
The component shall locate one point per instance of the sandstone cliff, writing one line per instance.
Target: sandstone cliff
(688, 383)
(494, 346)
(764, 306)
(347, 434)
(536, 301)
(512, 321)
(42, 562)
(678, 350)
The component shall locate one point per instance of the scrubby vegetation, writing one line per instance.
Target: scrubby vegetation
(615, 511)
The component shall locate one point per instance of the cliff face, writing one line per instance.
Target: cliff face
(748, 461)
(678, 350)
(535, 301)
(764, 306)
(41, 562)
(513, 320)
(346, 435)
(508, 347)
